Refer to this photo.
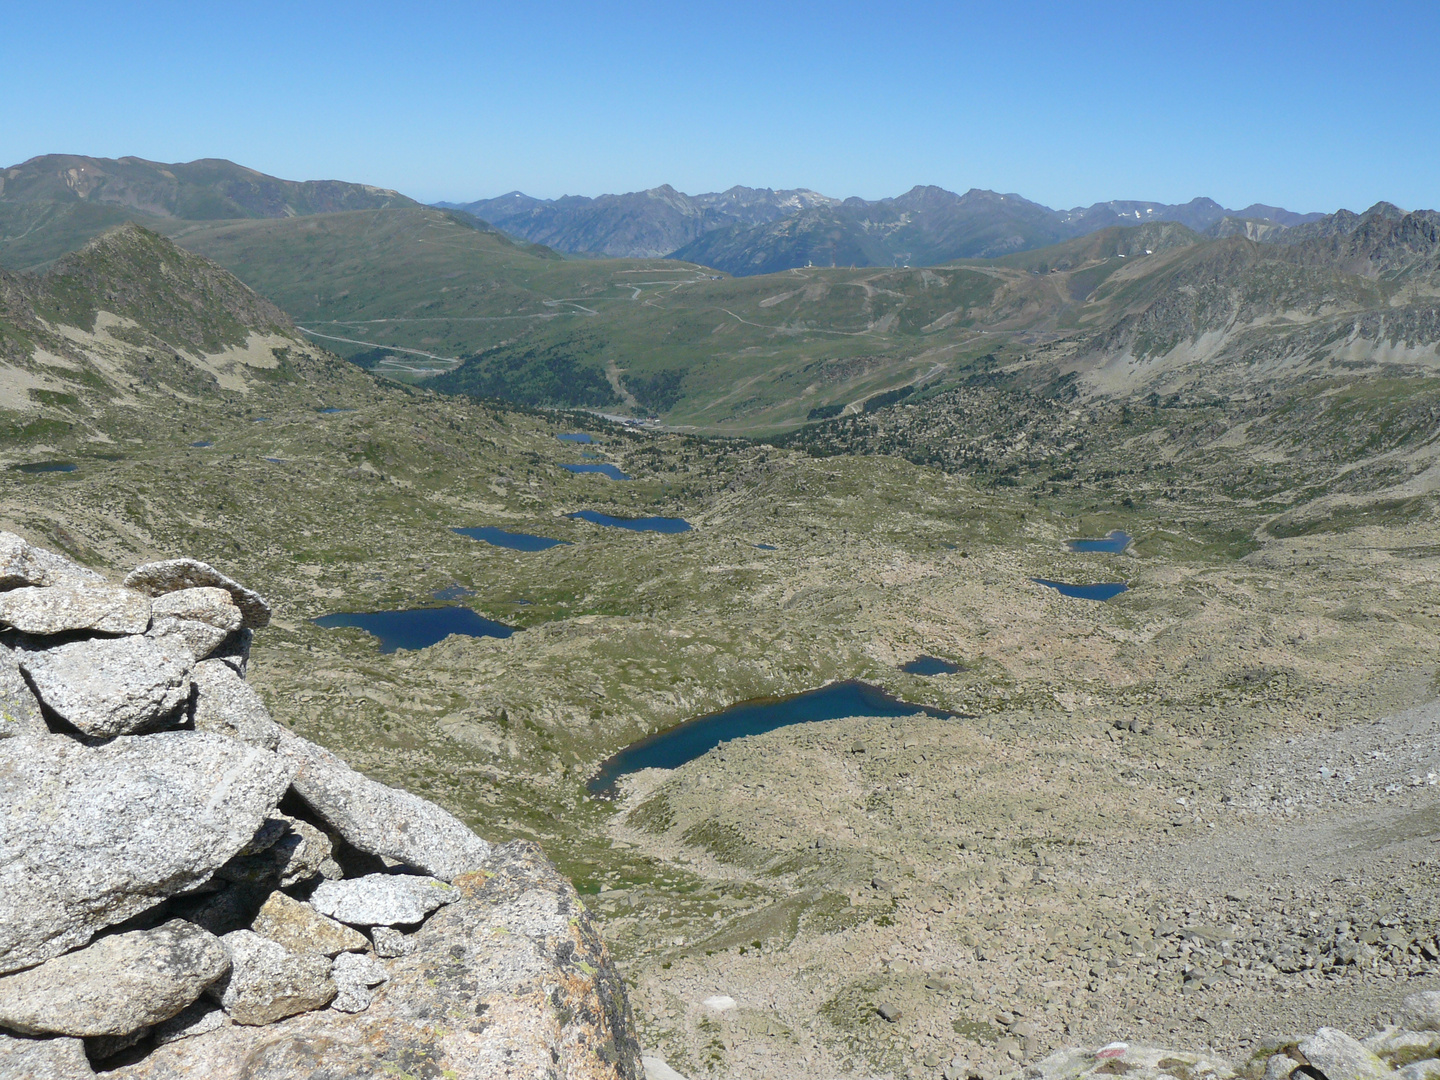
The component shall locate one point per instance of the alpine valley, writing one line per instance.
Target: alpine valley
(1196, 817)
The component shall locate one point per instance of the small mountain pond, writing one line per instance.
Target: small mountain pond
(675, 746)
(452, 592)
(930, 665)
(417, 628)
(643, 524)
(488, 534)
(1104, 590)
(575, 436)
(46, 466)
(1114, 543)
(201, 445)
(604, 470)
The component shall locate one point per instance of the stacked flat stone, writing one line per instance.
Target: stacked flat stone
(151, 889)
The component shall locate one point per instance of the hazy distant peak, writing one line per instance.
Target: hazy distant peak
(1387, 210)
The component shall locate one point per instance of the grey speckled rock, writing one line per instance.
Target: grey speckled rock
(22, 564)
(300, 853)
(382, 899)
(268, 982)
(195, 1019)
(1341, 1057)
(172, 575)
(354, 975)
(197, 639)
(110, 686)
(301, 929)
(93, 836)
(115, 986)
(1421, 1012)
(207, 604)
(19, 711)
(226, 705)
(519, 941)
(390, 942)
(101, 608)
(382, 820)
(43, 1059)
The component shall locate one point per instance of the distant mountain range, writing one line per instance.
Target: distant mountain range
(641, 224)
(53, 204)
(746, 231)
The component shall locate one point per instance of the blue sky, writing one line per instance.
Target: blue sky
(1310, 106)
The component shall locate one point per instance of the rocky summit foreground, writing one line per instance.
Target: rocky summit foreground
(189, 889)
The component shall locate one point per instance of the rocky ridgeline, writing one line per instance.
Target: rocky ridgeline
(189, 889)
(1408, 1049)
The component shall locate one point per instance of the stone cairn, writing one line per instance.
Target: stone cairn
(176, 867)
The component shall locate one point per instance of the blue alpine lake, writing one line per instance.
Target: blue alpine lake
(930, 665)
(1105, 590)
(201, 445)
(488, 534)
(643, 524)
(1114, 543)
(575, 436)
(332, 410)
(685, 742)
(417, 628)
(604, 470)
(46, 466)
(767, 547)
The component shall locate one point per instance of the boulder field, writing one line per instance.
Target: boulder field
(189, 889)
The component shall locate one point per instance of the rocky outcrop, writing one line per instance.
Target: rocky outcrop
(160, 913)
(1407, 1051)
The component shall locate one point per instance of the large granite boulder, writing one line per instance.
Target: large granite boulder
(512, 979)
(19, 711)
(110, 686)
(173, 575)
(381, 820)
(23, 564)
(382, 899)
(95, 835)
(1341, 1057)
(226, 705)
(116, 985)
(43, 1059)
(268, 982)
(62, 609)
